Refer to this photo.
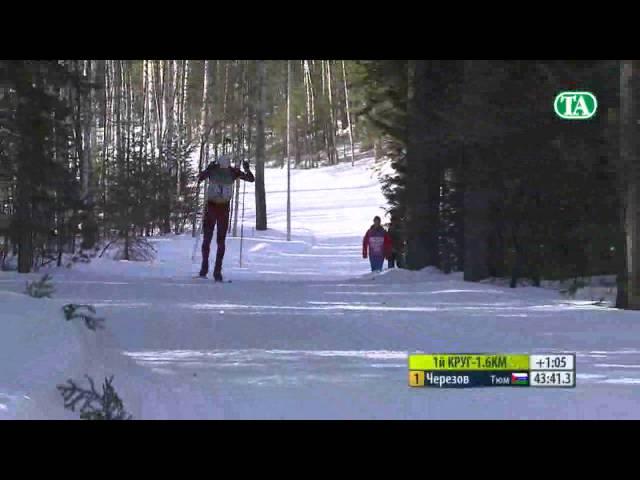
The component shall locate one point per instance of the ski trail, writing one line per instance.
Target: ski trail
(305, 331)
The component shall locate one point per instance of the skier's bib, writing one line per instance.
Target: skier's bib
(220, 185)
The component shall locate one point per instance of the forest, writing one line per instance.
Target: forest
(487, 179)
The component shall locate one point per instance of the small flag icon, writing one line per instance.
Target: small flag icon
(519, 378)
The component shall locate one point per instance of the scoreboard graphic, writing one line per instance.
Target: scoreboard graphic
(464, 370)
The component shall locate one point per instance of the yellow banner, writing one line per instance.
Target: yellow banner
(468, 361)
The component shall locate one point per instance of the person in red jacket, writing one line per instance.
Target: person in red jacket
(377, 245)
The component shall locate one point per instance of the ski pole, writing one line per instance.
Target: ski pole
(199, 232)
(244, 188)
(196, 227)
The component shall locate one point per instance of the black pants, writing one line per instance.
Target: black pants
(392, 261)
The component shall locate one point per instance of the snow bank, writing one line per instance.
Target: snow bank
(401, 275)
(39, 350)
(598, 288)
(140, 250)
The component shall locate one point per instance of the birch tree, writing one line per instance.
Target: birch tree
(261, 204)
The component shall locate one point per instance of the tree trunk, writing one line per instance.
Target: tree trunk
(261, 204)
(240, 153)
(24, 181)
(476, 235)
(629, 79)
(86, 137)
(234, 185)
(315, 151)
(204, 133)
(180, 120)
(143, 112)
(158, 89)
(122, 154)
(224, 107)
(106, 136)
(307, 91)
(332, 118)
(296, 143)
(169, 137)
(423, 183)
(89, 223)
(289, 150)
(346, 101)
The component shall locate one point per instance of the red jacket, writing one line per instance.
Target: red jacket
(377, 241)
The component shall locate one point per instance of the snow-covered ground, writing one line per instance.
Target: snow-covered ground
(304, 330)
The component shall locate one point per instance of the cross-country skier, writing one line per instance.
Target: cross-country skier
(378, 244)
(221, 176)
